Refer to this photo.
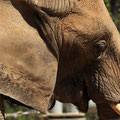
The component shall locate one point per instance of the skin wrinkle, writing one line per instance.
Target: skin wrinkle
(57, 38)
(114, 54)
(69, 54)
(103, 85)
(62, 36)
(103, 80)
(115, 71)
(59, 6)
(108, 76)
(99, 85)
(77, 33)
(114, 81)
(47, 33)
(56, 7)
(115, 57)
(105, 88)
(100, 71)
(67, 4)
(63, 8)
(72, 66)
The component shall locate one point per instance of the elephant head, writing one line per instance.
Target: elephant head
(86, 43)
(81, 48)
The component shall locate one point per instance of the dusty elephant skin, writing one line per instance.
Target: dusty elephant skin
(27, 68)
(69, 48)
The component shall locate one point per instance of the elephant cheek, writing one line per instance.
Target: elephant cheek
(66, 93)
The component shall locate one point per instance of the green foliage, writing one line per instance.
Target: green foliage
(30, 117)
(114, 10)
(11, 108)
(108, 5)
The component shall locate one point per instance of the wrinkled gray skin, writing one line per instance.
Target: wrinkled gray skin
(75, 56)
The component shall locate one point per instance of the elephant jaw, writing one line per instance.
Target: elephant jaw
(116, 108)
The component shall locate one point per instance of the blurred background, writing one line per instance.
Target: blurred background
(114, 10)
(17, 112)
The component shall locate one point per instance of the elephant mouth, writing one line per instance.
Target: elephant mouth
(116, 108)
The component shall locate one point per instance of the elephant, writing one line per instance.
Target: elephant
(67, 50)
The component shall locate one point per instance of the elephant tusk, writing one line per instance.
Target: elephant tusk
(116, 108)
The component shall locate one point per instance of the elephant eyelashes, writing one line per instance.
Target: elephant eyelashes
(100, 47)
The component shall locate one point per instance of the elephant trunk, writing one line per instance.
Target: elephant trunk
(53, 6)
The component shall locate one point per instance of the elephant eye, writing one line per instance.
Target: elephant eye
(100, 47)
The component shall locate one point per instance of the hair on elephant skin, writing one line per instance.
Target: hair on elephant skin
(66, 50)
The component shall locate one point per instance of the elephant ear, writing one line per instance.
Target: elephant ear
(28, 68)
(28, 75)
